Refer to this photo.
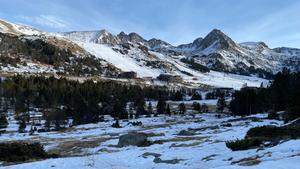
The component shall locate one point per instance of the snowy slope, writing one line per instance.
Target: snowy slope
(122, 62)
(6, 27)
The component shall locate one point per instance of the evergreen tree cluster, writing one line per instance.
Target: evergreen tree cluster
(215, 94)
(84, 102)
(282, 95)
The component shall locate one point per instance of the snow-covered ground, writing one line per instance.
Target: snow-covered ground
(94, 145)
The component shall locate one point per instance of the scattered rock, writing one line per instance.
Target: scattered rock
(116, 124)
(209, 158)
(226, 125)
(186, 145)
(134, 139)
(206, 128)
(157, 158)
(155, 134)
(250, 161)
(186, 133)
(135, 123)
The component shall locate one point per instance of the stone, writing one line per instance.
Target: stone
(186, 133)
(133, 139)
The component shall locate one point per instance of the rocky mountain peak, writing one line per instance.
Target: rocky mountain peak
(217, 36)
(197, 42)
(123, 37)
(136, 38)
(158, 44)
(105, 37)
(263, 44)
(191, 46)
(131, 37)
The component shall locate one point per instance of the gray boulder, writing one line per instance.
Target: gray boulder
(186, 133)
(133, 139)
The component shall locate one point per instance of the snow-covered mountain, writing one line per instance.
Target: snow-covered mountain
(6, 27)
(150, 58)
(27, 50)
(217, 51)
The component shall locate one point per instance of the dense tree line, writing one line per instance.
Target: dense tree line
(84, 102)
(282, 95)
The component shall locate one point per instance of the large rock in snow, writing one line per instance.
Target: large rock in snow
(186, 133)
(133, 139)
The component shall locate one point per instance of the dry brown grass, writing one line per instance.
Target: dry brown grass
(75, 147)
(249, 161)
(9, 27)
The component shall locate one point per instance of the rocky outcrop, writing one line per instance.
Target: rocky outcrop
(133, 139)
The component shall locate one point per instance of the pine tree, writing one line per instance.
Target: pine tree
(22, 126)
(140, 104)
(221, 104)
(131, 110)
(182, 108)
(196, 96)
(3, 121)
(178, 96)
(197, 107)
(161, 106)
(168, 111)
(150, 108)
(204, 108)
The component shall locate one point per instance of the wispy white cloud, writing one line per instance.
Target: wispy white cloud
(276, 28)
(45, 20)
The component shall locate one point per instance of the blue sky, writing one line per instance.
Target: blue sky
(276, 22)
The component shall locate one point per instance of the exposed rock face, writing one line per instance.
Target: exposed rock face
(216, 36)
(136, 38)
(191, 46)
(133, 139)
(100, 37)
(105, 37)
(132, 38)
(158, 44)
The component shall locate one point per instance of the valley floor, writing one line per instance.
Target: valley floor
(94, 145)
